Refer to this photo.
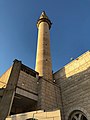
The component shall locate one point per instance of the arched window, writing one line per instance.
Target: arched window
(77, 115)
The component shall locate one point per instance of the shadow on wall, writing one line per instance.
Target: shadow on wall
(75, 90)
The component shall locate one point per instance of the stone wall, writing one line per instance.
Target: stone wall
(78, 65)
(74, 81)
(4, 78)
(38, 115)
(43, 58)
(27, 82)
(48, 95)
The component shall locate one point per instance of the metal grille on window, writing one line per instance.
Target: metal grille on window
(77, 115)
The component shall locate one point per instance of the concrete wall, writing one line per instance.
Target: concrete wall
(74, 81)
(38, 115)
(9, 91)
(4, 78)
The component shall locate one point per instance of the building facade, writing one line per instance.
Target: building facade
(27, 94)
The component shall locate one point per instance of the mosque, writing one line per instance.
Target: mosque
(27, 94)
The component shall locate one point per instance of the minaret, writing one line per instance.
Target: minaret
(43, 58)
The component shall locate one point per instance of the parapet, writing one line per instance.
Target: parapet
(78, 65)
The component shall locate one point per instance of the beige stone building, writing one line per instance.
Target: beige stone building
(27, 94)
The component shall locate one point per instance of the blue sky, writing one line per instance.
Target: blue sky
(70, 32)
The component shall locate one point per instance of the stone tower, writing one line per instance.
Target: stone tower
(43, 58)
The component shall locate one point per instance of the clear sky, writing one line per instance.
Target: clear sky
(70, 32)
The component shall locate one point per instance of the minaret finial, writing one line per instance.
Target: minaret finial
(43, 15)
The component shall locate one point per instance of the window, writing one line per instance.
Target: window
(77, 115)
